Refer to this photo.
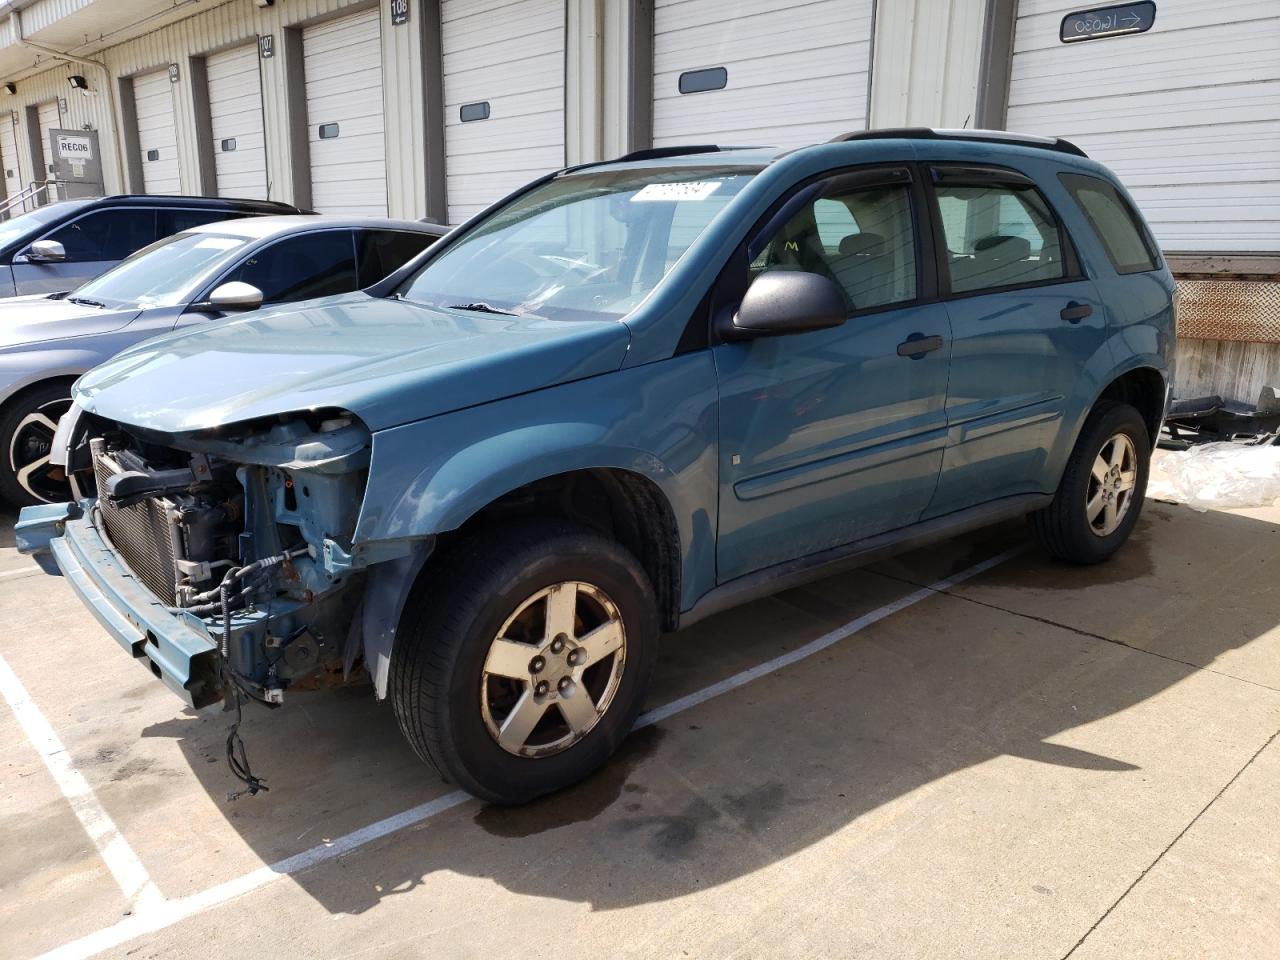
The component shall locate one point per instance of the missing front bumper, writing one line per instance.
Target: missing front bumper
(177, 648)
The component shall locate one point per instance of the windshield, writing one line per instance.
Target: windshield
(589, 246)
(18, 227)
(162, 275)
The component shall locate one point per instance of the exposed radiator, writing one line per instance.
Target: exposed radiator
(142, 535)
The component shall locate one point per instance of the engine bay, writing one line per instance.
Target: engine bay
(246, 528)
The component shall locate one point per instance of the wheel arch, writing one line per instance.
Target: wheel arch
(14, 396)
(622, 504)
(1143, 388)
(610, 500)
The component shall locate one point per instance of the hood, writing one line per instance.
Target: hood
(387, 361)
(37, 318)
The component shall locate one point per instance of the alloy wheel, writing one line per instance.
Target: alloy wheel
(553, 669)
(1111, 483)
(29, 451)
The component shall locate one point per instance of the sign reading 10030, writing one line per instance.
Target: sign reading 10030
(1119, 20)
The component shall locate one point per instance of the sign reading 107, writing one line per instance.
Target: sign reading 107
(1121, 19)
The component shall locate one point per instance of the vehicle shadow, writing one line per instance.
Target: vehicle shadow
(8, 517)
(745, 780)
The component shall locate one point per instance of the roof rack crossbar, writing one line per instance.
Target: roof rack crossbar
(981, 136)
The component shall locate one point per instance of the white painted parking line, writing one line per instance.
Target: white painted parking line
(816, 646)
(119, 857)
(169, 912)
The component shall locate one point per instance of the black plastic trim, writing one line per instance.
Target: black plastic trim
(658, 153)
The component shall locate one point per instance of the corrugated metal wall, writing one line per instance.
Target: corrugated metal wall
(227, 25)
(926, 72)
(925, 62)
(84, 108)
(41, 15)
(1187, 113)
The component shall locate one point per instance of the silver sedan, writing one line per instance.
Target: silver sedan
(191, 277)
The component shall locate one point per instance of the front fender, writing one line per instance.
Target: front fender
(657, 420)
(16, 377)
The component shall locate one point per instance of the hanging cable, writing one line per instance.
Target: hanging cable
(237, 759)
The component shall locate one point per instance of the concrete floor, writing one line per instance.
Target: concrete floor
(1040, 762)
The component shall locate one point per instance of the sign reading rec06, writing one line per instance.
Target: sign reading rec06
(1115, 21)
(74, 148)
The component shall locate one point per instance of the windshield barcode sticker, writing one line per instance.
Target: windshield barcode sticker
(668, 192)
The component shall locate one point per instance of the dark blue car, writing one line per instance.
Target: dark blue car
(630, 395)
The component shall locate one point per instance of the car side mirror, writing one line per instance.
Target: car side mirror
(233, 296)
(46, 251)
(785, 301)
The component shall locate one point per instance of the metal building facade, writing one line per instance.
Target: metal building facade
(1188, 112)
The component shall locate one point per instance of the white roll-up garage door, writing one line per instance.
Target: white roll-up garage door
(235, 113)
(761, 72)
(1187, 113)
(343, 69)
(48, 119)
(9, 159)
(157, 133)
(503, 97)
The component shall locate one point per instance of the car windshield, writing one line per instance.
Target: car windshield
(164, 274)
(589, 246)
(18, 227)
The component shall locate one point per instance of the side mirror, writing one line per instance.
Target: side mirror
(46, 251)
(782, 302)
(234, 296)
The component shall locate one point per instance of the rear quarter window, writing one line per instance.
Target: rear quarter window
(382, 252)
(1124, 236)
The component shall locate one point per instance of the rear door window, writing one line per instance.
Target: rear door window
(302, 267)
(998, 235)
(1128, 244)
(106, 234)
(381, 252)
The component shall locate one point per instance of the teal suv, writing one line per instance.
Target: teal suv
(628, 396)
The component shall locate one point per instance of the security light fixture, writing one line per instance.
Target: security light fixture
(11, 88)
(78, 82)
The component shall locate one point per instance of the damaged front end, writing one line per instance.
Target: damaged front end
(221, 558)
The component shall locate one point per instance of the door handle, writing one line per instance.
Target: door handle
(917, 345)
(1074, 312)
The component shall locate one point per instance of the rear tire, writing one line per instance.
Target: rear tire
(27, 425)
(523, 657)
(1102, 488)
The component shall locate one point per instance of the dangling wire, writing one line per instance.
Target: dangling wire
(237, 759)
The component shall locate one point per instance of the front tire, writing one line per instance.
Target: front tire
(27, 426)
(1102, 489)
(522, 659)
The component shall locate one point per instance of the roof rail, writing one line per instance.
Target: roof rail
(657, 153)
(981, 136)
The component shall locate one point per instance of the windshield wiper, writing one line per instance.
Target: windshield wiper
(480, 307)
(85, 301)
